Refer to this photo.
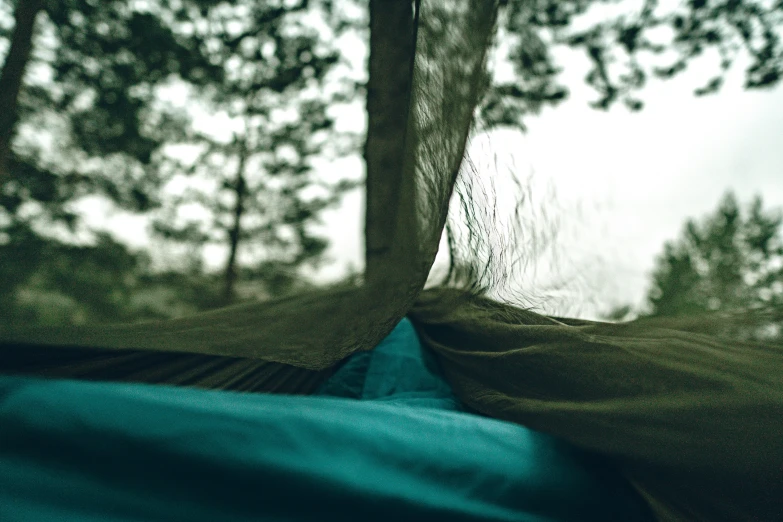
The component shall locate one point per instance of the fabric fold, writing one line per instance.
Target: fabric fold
(694, 422)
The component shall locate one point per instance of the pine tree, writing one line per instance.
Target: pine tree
(728, 263)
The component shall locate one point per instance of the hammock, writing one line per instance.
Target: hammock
(692, 422)
(383, 439)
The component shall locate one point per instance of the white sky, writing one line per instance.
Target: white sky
(624, 182)
(643, 174)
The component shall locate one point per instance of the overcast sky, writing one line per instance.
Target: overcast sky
(624, 182)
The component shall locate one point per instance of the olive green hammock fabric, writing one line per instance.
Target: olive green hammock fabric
(693, 422)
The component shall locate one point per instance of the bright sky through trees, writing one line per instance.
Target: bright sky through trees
(623, 182)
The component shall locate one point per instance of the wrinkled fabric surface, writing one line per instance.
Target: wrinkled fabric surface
(384, 439)
(694, 422)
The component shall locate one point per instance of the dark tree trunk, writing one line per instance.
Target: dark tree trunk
(240, 189)
(392, 44)
(12, 75)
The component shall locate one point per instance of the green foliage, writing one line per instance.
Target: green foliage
(275, 66)
(171, 294)
(618, 313)
(48, 282)
(95, 69)
(730, 262)
(649, 40)
(89, 123)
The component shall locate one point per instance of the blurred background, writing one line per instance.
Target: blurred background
(161, 157)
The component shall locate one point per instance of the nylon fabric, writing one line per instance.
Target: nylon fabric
(394, 445)
(692, 421)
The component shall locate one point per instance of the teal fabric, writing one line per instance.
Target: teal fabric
(384, 440)
(398, 371)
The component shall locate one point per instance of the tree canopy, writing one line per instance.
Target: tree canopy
(82, 112)
(627, 43)
(728, 263)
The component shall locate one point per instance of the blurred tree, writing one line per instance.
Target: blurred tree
(101, 65)
(91, 92)
(65, 283)
(627, 43)
(262, 196)
(619, 313)
(730, 264)
(86, 120)
(12, 74)
(95, 68)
